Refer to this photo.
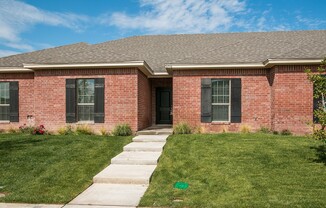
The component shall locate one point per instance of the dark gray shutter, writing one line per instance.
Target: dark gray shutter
(14, 101)
(99, 101)
(70, 100)
(235, 100)
(206, 100)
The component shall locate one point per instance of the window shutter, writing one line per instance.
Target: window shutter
(14, 101)
(70, 100)
(235, 100)
(99, 101)
(206, 100)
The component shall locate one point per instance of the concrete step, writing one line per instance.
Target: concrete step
(145, 146)
(136, 158)
(125, 174)
(103, 194)
(155, 132)
(92, 206)
(150, 138)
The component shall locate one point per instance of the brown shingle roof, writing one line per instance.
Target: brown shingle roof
(158, 50)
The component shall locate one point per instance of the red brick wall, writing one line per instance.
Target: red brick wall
(292, 99)
(278, 98)
(144, 102)
(120, 96)
(158, 82)
(26, 97)
(256, 98)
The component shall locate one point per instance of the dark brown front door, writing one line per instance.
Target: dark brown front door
(163, 105)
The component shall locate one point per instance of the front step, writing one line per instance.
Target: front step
(111, 195)
(155, 132)
(136, 158)
(150, 138)
(144, 146)
(125, 174)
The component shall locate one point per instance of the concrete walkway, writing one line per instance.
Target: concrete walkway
(124, 182)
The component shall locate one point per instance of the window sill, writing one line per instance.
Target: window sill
(85, 122)
(221, 123)
(4, 122)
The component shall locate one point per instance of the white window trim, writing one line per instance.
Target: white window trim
(84, 104)
(5, 105)
(229, 103)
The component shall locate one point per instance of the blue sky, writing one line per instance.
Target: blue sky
(28, 25)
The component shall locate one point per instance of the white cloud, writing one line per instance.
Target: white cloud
(7, 53)
(17, 17)
(182, 16)
(310, 22)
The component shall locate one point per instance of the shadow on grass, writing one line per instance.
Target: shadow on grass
(320, 153)
(9, 145)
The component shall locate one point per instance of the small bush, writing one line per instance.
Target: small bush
(104, 132)
(2, 131)
(286, 132)
(122, 130)
(84, 129)
(264, 130)
(199, 130)
(25, 129)
(182, 128)
(39, 130)
(66, 130)
(275, 132)
(319, 135)
(245, 129)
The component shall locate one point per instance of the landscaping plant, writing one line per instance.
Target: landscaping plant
(319, 81)
(182, 128)
(122, 130)
(39, 130)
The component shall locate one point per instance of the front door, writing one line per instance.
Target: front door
(163, 105)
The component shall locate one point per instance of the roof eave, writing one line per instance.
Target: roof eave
(269, 63)
(5, 70)
(141, 65)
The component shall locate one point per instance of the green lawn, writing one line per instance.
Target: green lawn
(52, 169)
(240, 170)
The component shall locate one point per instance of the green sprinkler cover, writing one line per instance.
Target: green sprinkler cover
(181, 185)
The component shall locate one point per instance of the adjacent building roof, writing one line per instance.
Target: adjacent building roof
(160, 50)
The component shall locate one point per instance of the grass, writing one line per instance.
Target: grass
(52, 169)
(239, 170)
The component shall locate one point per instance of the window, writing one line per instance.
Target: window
(85, 99)
(221, 102)
(4, 101)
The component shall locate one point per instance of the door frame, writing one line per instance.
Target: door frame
(158, 90)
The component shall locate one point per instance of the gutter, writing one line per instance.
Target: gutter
(15, 70)
(267, 64)
(142, 65)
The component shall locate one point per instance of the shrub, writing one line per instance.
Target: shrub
(39, 130)
(286, 132)
(84, 129)
(2, 131)
(122, 130)
(104, 132)
(26, 129)
(245, 129)
(319, 134)
(264, 130)
(66, 130)
(182, 128)
(275, 132)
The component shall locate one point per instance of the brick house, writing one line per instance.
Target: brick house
(214, 81)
